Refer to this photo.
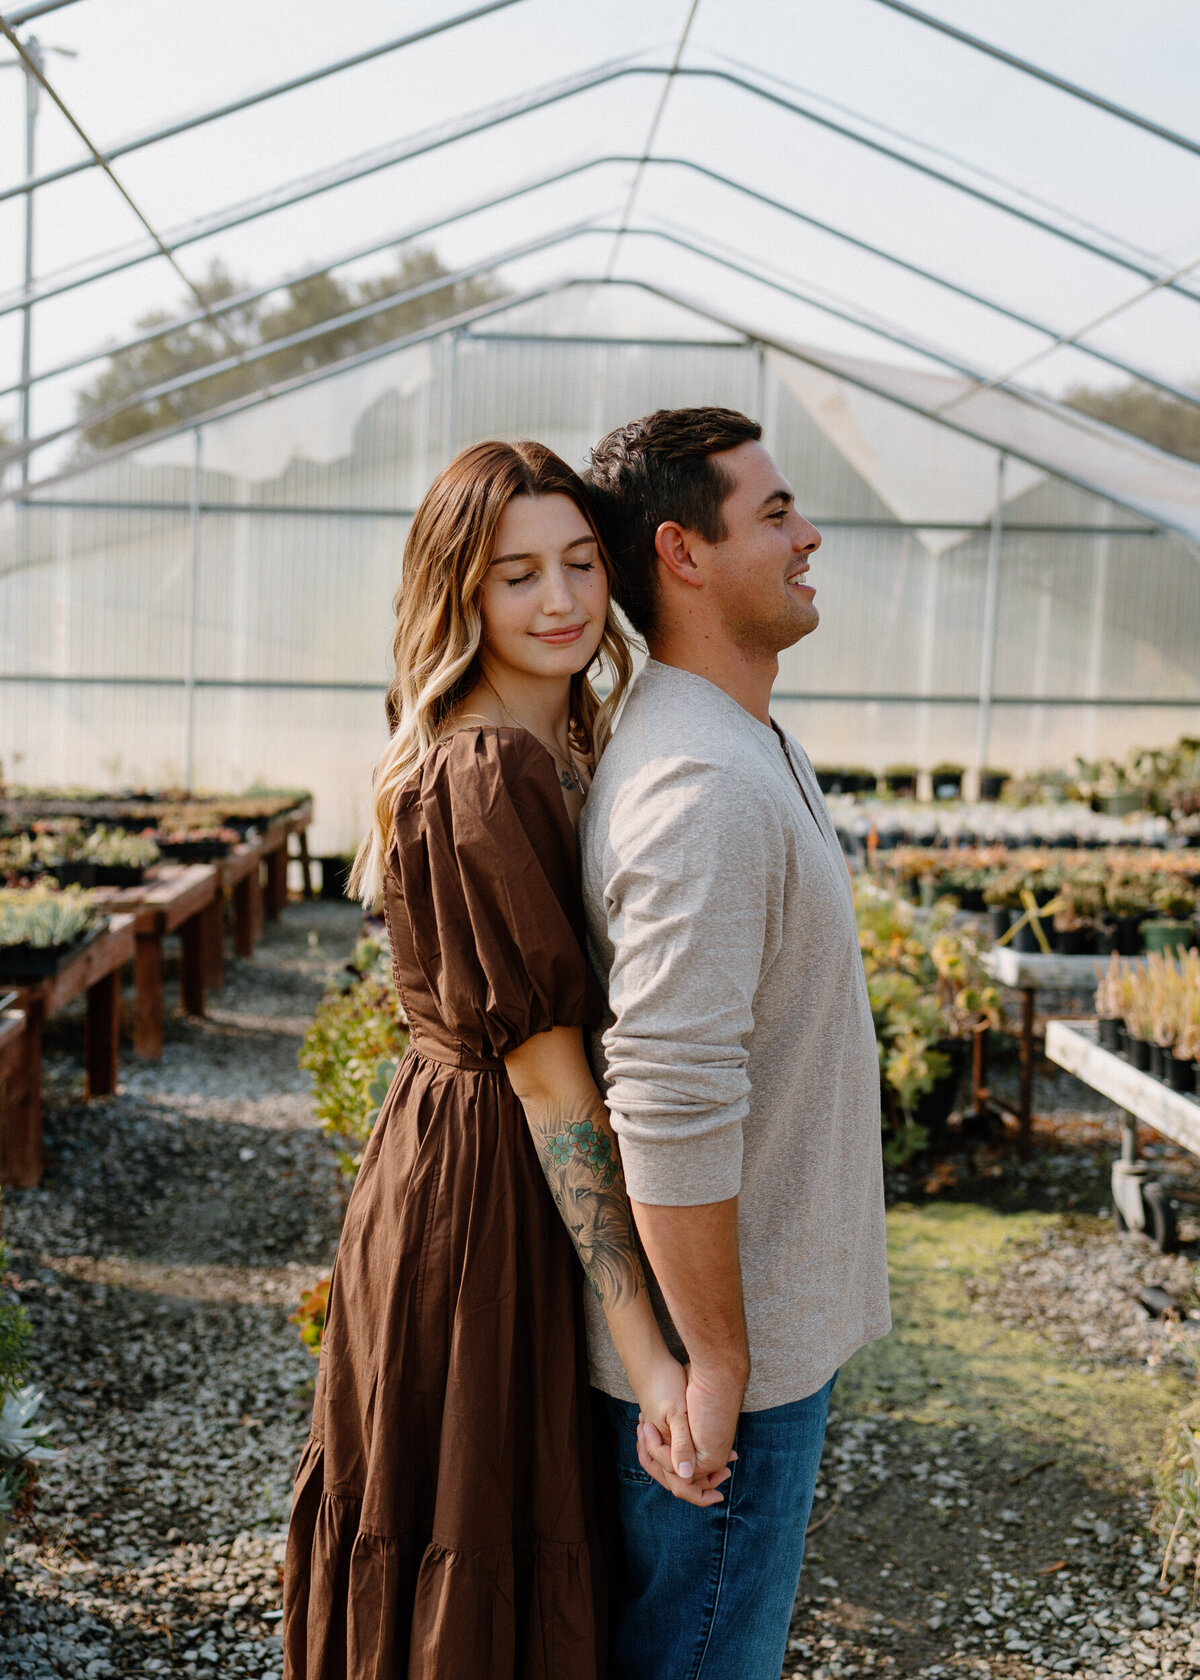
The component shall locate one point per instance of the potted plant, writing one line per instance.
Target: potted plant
(120, 859)
(23, 1442)
(1125, 901)
(901, 781)
(1171, 929)
(41, 929)
(947, 780)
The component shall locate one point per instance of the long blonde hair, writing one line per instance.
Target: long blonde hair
(439, 626)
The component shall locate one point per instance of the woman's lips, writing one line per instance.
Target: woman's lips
(560, 638)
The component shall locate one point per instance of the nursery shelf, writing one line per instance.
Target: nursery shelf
(1040, 971)
(1073, 1045)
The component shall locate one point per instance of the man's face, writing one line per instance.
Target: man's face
(757, 571)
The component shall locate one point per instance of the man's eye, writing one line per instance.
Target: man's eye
(778, 514)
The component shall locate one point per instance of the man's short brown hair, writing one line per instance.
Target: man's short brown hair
(655, 469)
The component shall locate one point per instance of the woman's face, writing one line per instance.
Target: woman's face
(545, 595)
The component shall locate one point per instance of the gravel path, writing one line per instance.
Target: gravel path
(179, 1222)
(159, 1262)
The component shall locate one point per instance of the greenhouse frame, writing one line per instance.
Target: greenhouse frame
(1003, 580)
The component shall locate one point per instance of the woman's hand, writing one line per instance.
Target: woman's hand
(665, 1448)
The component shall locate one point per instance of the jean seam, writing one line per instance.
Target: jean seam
(720, 1580)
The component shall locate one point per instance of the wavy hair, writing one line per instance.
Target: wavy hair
(439, 626)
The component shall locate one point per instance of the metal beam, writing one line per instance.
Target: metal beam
(183, 125)
(540, 99)
(305, 335)
(787, 696)
(417, 231)
(26, 14)
(785, 347)
(1172, 136)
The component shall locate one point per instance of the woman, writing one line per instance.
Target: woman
(442, 1523)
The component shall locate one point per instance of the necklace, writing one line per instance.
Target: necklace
(569, 779)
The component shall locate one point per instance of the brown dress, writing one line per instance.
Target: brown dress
(442, 1524)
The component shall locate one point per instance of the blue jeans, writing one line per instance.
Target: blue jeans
(708, 1594)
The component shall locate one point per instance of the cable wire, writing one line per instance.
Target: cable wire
(33, 69)
(650, 138)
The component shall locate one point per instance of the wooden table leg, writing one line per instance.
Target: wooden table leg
(100, 1042)
(214, 943)
(305, 863)
(256, 906)
(1025, 1111)
(23, 1163)
(192, 962)
(244, 894)
(147, 997)
(276, 894)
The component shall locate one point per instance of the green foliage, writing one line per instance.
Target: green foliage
(303, 304)
(44, 916)
(310, 1315)
(926, 983)
(353, 1046)
(14, 1335)
(1154, 415)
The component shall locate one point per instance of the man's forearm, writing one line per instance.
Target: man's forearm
(693, 1253)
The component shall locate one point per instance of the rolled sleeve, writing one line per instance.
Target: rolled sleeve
(690, 848)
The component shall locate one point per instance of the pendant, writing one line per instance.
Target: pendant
(569, 782)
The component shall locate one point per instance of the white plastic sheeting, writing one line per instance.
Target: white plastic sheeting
(304, 501)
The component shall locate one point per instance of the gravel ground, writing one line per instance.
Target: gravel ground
(159, 1261)
(179, 1221)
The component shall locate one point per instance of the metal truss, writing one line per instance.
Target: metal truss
(420, 230)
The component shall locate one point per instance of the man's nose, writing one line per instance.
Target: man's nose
(808, 538)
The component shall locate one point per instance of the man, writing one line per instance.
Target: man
(739, 1055)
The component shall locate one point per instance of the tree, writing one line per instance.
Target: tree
(1154, 415)
(305, 303)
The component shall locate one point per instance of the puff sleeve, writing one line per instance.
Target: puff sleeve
(485, 855)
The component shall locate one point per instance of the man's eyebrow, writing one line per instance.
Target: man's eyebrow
(784, 496)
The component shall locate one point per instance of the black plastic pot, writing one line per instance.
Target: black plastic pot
(1180, 1074)
(1075, 942)
(194, 851)
(1121, 935)
(1109, 1034)
(1139, 1054)
(120, 874)
(971, 898)
(935, 1107)
(1156, 1068)
(1025, 940)
(41, 962)
(73, 874)
(1000, 921)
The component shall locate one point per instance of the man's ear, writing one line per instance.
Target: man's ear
(673, 548)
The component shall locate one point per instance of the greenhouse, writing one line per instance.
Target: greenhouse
(265, 270)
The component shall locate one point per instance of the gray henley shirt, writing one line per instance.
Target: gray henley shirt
(738, 1055)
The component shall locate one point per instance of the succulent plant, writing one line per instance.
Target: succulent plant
(43, 916)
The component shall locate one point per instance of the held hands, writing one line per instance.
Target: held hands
(686, 1431)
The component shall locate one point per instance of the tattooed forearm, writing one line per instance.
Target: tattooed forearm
(579, 1158)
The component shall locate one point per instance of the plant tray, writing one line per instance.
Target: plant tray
(120, 874)
(194, 851)
(43, 962)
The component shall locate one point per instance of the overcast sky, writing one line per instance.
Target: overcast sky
(143, 63)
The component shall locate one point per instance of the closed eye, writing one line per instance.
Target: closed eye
(513, 582)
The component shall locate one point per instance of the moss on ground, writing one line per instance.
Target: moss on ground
(948, 1363)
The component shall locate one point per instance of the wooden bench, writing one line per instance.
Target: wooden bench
(96, 970)
(174, 898)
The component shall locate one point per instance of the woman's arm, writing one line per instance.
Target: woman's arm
(578, 1153)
